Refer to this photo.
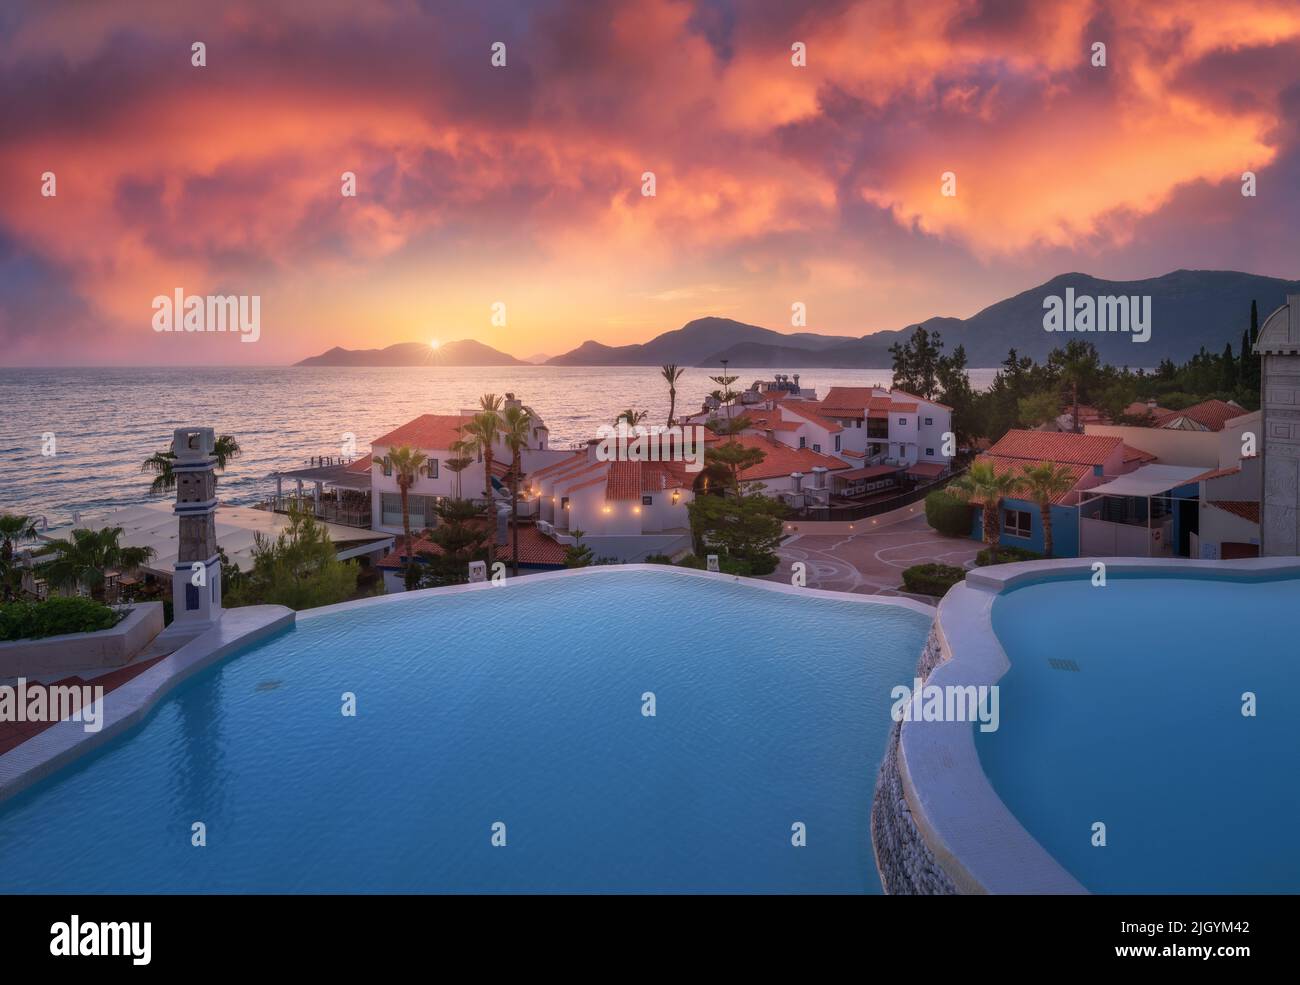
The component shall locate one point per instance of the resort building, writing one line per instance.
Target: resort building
(892, 440)
(1278, 346)
(891, 427)
(1091, 460)
(626, 510)
(434, 435)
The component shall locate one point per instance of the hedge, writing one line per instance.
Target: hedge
(948, 514)
(932, 579)
(1007, 555)
(54, 617)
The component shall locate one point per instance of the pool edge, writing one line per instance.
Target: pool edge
(972, 836)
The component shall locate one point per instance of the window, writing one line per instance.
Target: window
(837, 442)
(647, 501)
(902, 420)
(1017, 522)
(388, 465)
(817, 448)
(564, 502)
(929, 453)
(803, 442)
(431, 468)
(929, 421)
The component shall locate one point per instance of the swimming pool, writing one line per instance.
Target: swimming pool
(521, 705)
(1124, 706)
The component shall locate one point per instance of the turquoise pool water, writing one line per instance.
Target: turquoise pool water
(521, 705)
(1147, 736)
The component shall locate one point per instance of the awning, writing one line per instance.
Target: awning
(154, 525)
(931, 469)
(872, 472)
(1149, 480)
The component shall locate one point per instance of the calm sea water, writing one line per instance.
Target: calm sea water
(483, 713)
(107, 421)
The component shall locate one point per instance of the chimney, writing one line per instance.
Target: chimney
(796, 479)
(819, 477)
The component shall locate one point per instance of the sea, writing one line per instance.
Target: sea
(72, 440)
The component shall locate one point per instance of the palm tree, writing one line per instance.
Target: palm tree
(984, 483)
(160, 463)
(672, 373)
(84, 559)
(14, 529)
(631, 417)
(480, 438)
(1044, 482)
(405, 463)
(516, 426)
(459, 462)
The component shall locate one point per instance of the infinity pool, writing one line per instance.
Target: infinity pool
(521, 705)
(1141, 729)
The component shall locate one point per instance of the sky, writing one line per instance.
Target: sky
(521, 185)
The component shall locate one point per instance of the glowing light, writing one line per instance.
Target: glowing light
(434, 343)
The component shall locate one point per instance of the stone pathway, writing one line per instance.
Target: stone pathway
(871, 562)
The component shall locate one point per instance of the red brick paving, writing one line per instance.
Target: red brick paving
(15, 733)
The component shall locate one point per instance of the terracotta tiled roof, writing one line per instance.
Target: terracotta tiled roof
(1245, 508)
(1139, 408)
(1218, 473)
(768, 423)
(1056, 446)
(576, 459)
(1210, 414)
(846, 401)
(780, 459)
(904, 408)
(1016, 466)
(806, 409)
(623, 480)
(1132, 454)
(437, 432)
(361, 465)
(913, 396)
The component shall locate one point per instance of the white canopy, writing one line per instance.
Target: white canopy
(1149, 480)
(154, 525)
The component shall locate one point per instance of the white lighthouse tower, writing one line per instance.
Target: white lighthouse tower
(196, 582)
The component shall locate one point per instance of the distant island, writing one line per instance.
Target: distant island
(1190, 309)
(465, 352)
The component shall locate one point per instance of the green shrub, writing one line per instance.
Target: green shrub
(727, 564)
(932, 579)
(54, 617)
(1006, 555)
(948, 514)
(658, 559)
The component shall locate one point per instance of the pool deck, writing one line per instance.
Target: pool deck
(976, 840)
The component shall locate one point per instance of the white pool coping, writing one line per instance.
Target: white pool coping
(128, 705)
(600, 570)
(973, 835)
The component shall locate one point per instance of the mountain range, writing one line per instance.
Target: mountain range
(465, 352)
(1189, 309)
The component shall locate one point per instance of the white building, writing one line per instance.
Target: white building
(434, 435)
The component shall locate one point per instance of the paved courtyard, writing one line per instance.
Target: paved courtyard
(871, 562)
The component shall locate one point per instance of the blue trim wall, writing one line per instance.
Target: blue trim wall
(1065, 528)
